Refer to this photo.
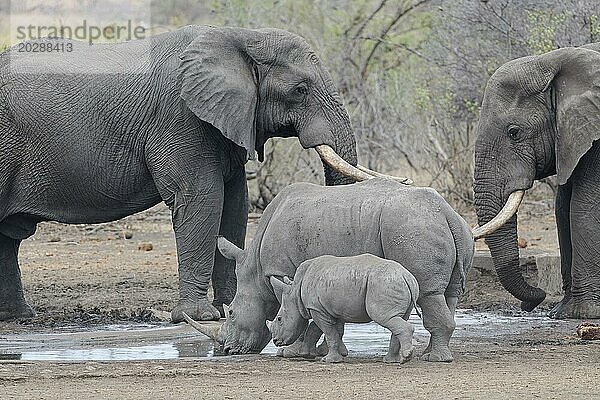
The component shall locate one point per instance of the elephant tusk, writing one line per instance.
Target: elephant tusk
(509, 209)
(406, 181)
(226, 311)
(211, 330)
(359, 173)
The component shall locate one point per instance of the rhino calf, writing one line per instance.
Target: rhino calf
(334, 290)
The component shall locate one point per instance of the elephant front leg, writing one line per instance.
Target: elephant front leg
(563, 225)
(584, 215)
(584, 301)
(233, 227)
(196, 220)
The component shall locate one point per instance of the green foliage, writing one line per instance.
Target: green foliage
(411, 79)
(594, 28)
(543, 26)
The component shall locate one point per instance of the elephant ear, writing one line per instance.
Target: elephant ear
(219, 84)
(576, 85)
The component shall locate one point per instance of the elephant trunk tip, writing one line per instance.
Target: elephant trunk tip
(535, 300)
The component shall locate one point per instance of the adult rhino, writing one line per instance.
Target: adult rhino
(410, 225)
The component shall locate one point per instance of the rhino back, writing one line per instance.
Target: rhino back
(380, 217)
(353, 289)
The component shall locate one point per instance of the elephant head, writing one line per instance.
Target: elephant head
(539, 116)
(254, 84)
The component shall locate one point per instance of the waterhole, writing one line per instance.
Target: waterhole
(166, 341)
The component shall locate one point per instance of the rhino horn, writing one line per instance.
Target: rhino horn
(212, 329)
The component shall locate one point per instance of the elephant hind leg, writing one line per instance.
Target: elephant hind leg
(12, 299)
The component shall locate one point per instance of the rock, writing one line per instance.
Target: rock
(522, 243)
(54, 239)
(146, 247)
(128, 234)
(588, 331)
(161, 315)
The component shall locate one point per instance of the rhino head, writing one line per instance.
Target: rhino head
(289, 323)
(244, 329)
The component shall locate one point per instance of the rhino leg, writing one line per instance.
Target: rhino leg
(330, 328)
(438, 319)
(401, 347)
(323, 348)
(304, 346)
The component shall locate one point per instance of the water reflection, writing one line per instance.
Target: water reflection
(175, 341)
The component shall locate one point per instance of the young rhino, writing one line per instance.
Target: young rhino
(333, 290)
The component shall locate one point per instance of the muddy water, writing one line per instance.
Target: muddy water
(153, 342)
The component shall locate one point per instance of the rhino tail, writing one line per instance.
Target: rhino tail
(413, 297)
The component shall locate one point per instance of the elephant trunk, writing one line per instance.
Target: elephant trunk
(505, 251)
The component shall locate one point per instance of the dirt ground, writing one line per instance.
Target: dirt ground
(83, 276)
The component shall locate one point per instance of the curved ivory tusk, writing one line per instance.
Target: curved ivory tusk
(406, 181)
(211, 330)
(336, 162)
(509, 209)
(358, 173)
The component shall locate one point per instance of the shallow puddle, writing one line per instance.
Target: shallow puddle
(155, 342)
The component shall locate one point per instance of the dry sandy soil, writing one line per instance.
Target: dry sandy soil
(82, 276)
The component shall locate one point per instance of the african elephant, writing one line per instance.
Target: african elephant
(541, 116)
(94, 147)
(412, 226)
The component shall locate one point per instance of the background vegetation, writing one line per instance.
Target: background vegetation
(411, 73)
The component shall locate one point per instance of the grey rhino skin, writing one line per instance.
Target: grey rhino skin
(178, 127)
(410, 225)
(334, 290)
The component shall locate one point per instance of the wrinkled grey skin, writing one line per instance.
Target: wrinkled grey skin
(540, 117)
(410, 225)
(91, 148)
(359, 289)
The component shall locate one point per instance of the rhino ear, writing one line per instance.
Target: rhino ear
(287, 280)
(229, 250)
(279, 288)
(269, 324)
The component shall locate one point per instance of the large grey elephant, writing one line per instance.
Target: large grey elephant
(410, 225)
(92, 147)
(540, 117)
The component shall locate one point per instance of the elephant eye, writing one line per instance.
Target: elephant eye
(302, 89)
(513, 132)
